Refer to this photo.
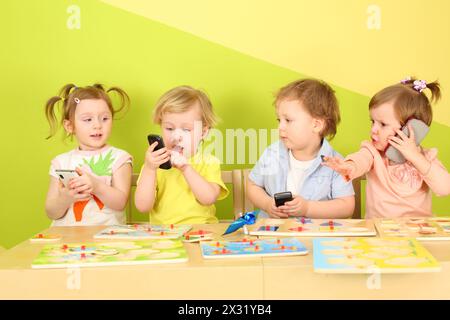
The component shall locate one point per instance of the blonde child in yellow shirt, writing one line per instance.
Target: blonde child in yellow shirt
(186, 193)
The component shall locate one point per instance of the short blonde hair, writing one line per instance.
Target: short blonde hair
(181, 99)
(319, 100)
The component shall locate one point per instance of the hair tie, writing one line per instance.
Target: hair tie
(405, 81)
(419, 85)
(77, 101)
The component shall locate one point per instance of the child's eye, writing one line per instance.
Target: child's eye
(187, 130)
(87, 120)
(105, 118)
(169, 129)
(288, 120)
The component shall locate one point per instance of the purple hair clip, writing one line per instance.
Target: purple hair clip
(404, 81)
(419, 85)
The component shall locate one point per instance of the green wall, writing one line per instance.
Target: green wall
(40, 54)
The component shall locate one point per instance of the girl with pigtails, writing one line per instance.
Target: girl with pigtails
(398, 189)
(98, 195)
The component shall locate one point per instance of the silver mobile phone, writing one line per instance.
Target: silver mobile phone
(66, 175)
(420, 131)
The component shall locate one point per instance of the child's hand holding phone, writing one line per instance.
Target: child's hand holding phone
(83, 184)
(65, 176)
(297, 207)
(157, 156)
(404, 146)
(65, 179)
(273, 211)
(275, 206)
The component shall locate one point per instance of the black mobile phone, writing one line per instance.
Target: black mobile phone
(152, 138)
(282, 197)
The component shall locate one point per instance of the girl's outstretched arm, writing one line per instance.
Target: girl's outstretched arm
(353, 166)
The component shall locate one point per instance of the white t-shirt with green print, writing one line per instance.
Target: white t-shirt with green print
(102, 164)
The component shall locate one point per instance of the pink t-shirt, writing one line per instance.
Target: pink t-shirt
(398, 190)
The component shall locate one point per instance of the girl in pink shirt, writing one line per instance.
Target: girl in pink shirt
(397, 190)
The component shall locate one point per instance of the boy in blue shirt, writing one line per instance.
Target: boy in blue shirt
(307, 112)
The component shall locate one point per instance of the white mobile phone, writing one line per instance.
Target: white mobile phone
(66, 175)
(420, 131)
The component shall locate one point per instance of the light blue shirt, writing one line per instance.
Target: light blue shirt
(321, 183)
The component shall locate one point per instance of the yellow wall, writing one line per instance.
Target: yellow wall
(333, 40)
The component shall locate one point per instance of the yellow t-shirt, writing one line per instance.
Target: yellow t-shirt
(175, 202)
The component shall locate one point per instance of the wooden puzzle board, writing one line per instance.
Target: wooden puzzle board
(372, 255)
(76, 255)
(198, 235)
(143, 231)
(305, 227)
(45, 238)
(435, 228)
(246, 248)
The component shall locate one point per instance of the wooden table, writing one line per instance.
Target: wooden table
(294, 278)
(253, 278)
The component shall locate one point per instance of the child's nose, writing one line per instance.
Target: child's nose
(177, 135)
(97, 124)
(374, 128)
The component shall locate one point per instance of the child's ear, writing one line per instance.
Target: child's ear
(68, 126)
(205, 132)
(318, 125)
